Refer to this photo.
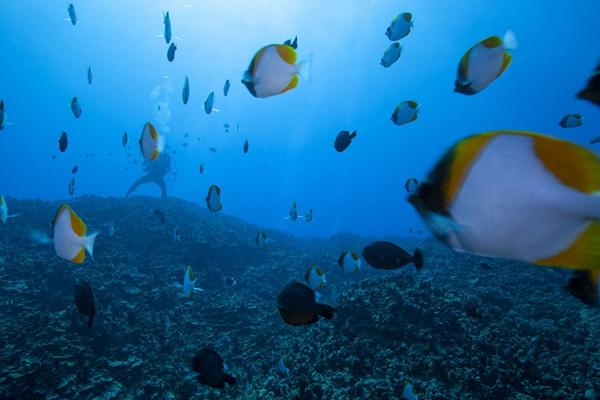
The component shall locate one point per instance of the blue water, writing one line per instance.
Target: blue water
(44, 60)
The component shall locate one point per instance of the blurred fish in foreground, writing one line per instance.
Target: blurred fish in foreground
(470, 202)
(591, 91)
(83, 297)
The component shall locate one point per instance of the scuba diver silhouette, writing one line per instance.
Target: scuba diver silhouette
(156, 171)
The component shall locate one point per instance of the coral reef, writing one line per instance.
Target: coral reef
(462, 328)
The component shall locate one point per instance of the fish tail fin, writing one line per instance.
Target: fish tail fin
(229, 379)
(353, 134)
(510, 40)
(90, 321)
(418, 259)
(326, 311)
(13, 215)
(89, 243)
(584, 286)
(304, 68)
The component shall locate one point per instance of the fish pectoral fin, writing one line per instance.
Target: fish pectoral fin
(584, 286)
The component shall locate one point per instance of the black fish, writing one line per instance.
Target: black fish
(210, 368)
(75, 107)
(171, 52)
(63, 142)
(386, 255)
(84, 301)
(343, 140)
(246, 146)
(161, 216)
(74, 170)
(298, 306)
(591, 92)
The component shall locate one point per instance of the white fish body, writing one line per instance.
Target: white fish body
(69, 234)
(349, 261)
(315, 278)
(408, 393)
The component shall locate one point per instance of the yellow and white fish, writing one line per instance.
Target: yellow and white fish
(400, 27)
(261, 240)
(274, 70)
(408, 392)
(405, 112)
(483, 63)
(70, 237)
(315, 277)
(151, 142)
(213, 198)
(349, 261)
(522, 196)
(189, 283)
(4, 211)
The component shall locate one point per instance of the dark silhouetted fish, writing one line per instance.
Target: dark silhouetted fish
(211, 369)
(84, 301)
(63, 142)
(591, 92)
(246, 146)
(171, 52)
(343, 140)
(297, 304)
(161, 216)
(386, 255)
(75, 107)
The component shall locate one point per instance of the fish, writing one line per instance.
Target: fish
(591, 91)
(167, 22)
(212, 149)
(4, 216)
(71, 240)
(1, 114)
(161, 216)
(226, 87)
(125, 139)
(211, 369)
(177, 235)
(74, 169)
(388, 256)
(71, 186)
(483, 63)
(469, 202)
(230, 281)
(297, 305)
(246, 147)
(349, 261)
(308, 217)
(186, 90)
(213, 198)
(391, 55)
(208, 104)
(595, 140)
(261, 240)
(151, 142)
(201, 168)
(343, 140)
(189, 283)
(292, 43)
(83, 297)
(408, 392)
(405, 112)
(112, 229)
(571, 121)
(274, 70)
(171, 52)
(281, 367)
(411, 185)
(63, 142)
(315, 278)
(400, 26)
(75, 107)
(72, 15)
(293, 211)
(89, 75)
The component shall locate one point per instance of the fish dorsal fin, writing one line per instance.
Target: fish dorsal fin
(77, 224)
(583, 173)
(287, 54)
(462, 156)
(293, 83)
(492, 42)
(80, 257)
